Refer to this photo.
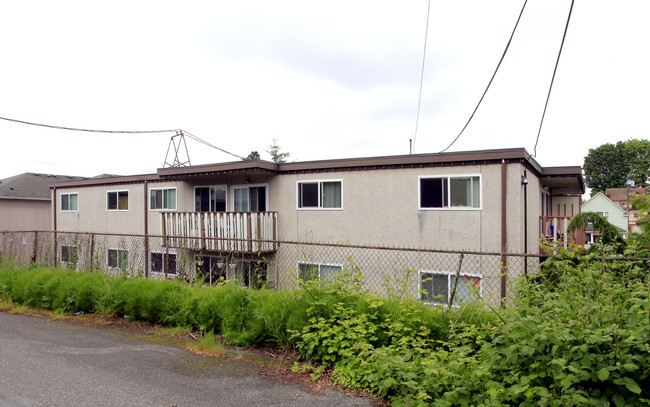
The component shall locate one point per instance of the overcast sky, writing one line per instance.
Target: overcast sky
(328, 80)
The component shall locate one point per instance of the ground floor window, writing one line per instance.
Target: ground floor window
(69, 255)
(118, 258)
(251, 274)
(317, 271)
(214, 269)
(210, 269)
(163, 262)
(437, 287)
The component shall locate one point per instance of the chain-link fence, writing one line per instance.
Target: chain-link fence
(434, 276)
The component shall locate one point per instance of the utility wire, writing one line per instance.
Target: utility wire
(491, 79)
(424, 56)
(557, 61)
(88, 130)
(193, 137)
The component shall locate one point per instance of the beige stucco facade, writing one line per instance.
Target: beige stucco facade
(25, 215)
(380, 205)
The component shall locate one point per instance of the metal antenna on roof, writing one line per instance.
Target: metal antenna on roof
(177, 141)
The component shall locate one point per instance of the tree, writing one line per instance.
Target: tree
(638, 154)
(276, 155)
(607, 166)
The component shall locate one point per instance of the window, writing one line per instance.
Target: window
(210, 199)
(164, 198)
(118, 259)
(211, 269)
(546, 203)
(251, 274)
(69, 255)
(158, 263)
(320, 195)
(603, 214)
(436, 287)
(250, 199)
(70, 202)
(117, 201)
(323, 272)
(455, 192)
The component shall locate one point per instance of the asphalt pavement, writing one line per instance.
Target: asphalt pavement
(53, 363)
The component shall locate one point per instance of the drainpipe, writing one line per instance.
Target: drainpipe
(146, 231)
(54, 226)
(525, 224)
(503, 232)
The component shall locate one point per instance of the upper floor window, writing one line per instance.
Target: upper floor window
(163, 198)
(70, 202)
(320, 194)
(117, 201)
(210, 199)
(603, 214)
(450, 192)
(249, 199)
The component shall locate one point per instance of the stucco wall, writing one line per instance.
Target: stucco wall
(380, 207)
(25, 215)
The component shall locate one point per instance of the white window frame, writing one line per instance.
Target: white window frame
(118, 258)
(68, 194)
(448, 177)
(320, 195)
(247, 186)
(163, 254)
(225, 187)
(67, 262)
(163, 193)
(118, 200)
(449, 285)
(316, 264)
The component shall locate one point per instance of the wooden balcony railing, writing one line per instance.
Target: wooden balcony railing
(553, 230)
(241, 232)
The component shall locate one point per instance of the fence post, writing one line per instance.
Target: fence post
(504, 279)
(92, 252)
(35, 247)
(453, 291)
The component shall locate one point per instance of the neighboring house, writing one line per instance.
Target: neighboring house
(622, 196)
(482, 201)
(25, 201)
(605, 207)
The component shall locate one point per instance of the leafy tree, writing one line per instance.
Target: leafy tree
(612, 165)
(606, 167)
(638, 153)
(608, 232)
(277, 156)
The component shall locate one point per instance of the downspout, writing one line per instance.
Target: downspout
(503, 233)
(54, 226)
(146, 231)
(525, 225)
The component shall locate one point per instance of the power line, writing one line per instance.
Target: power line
(491, 79)
(193, 137)
(424, 56)
(557, 61)
(88, 130)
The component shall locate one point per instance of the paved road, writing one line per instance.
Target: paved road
(52, 363)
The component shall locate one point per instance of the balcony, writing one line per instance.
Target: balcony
(241, 232)
(553, 231)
